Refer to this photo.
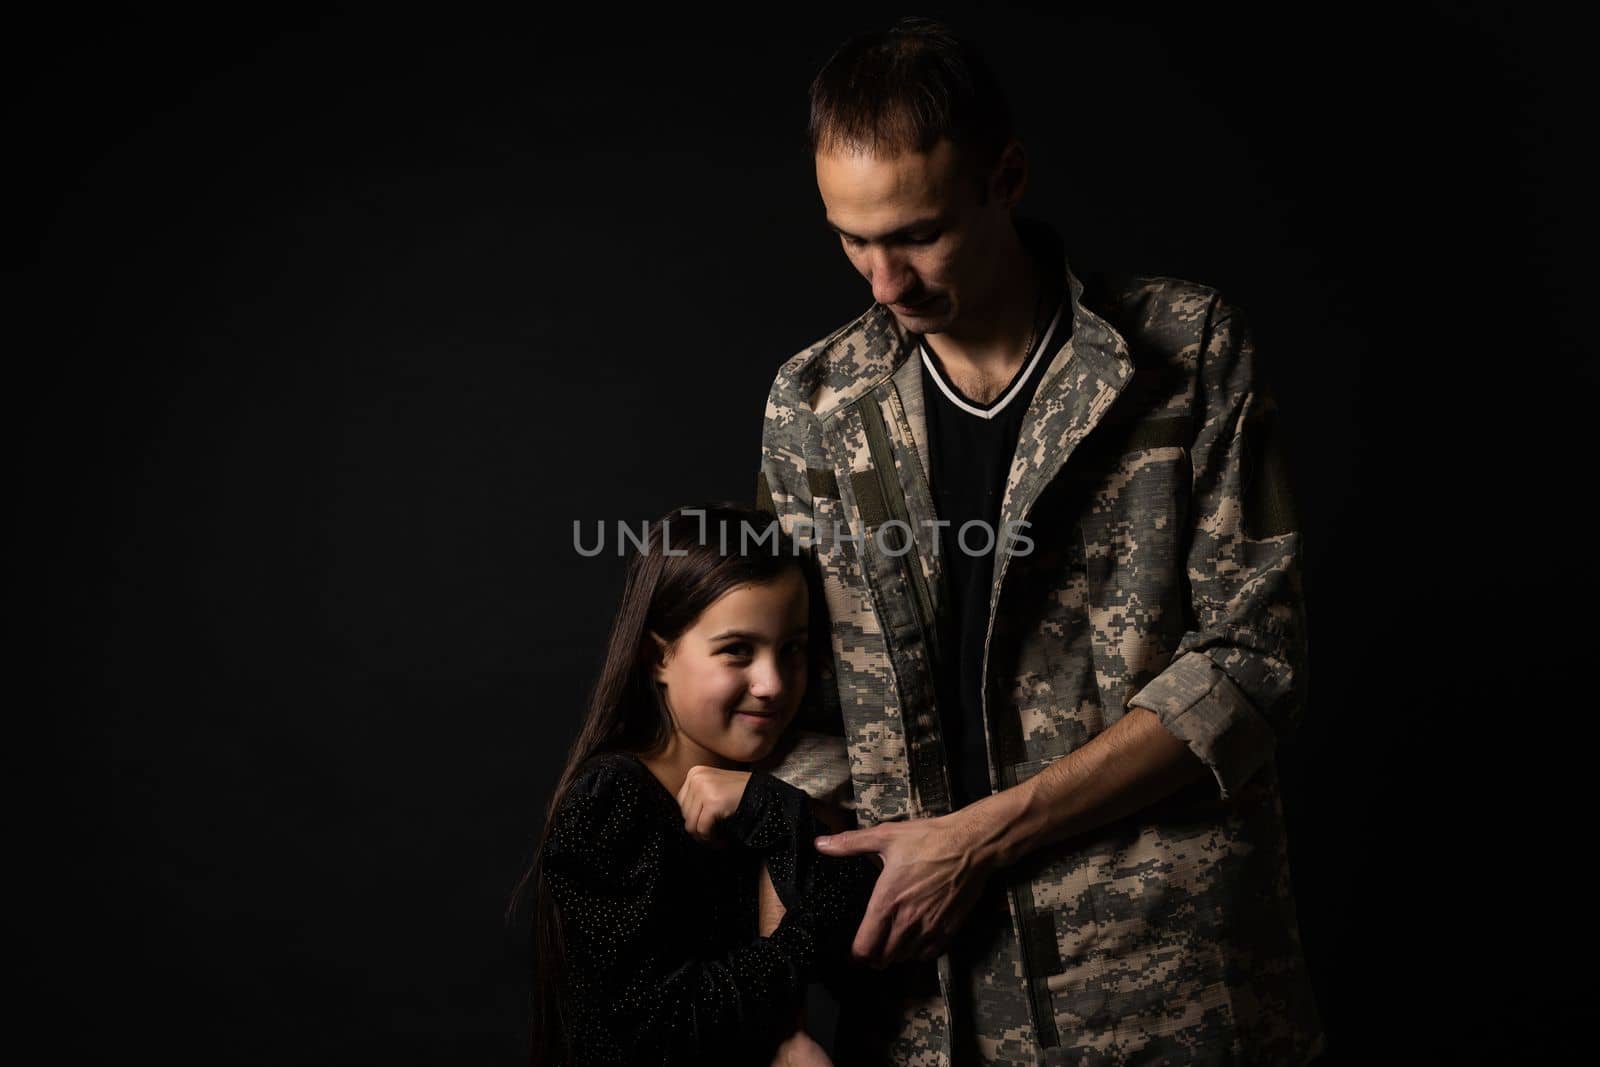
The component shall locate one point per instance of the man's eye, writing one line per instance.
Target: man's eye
(851, 242)
(924, 238)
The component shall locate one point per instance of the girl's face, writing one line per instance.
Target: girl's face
(735, 678)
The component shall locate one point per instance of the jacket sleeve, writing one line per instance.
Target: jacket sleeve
(1236, 683)
(812, 756)
(628, 1001)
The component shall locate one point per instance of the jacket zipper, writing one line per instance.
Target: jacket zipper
(1040, 1012)
(894, 503)
(894, 498)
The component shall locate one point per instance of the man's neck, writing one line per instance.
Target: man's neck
(994, 348)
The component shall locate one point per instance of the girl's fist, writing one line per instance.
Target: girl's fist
(709, 795)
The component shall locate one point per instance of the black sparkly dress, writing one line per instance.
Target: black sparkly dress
(664, 965)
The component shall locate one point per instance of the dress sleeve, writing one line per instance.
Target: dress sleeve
(629, 1002)
(826, 894)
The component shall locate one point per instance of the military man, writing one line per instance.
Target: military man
(1061, 572)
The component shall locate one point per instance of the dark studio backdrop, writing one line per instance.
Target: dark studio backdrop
(327, 334)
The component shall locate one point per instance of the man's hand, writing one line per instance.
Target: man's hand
(934, 870)
(709, 795)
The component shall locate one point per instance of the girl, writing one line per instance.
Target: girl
(645, 879)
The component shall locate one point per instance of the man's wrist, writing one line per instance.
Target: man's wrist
(1124, 769)
(1003, 824)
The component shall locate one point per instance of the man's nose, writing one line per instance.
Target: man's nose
(891, 281)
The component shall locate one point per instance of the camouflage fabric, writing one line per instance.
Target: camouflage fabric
(1163, 573)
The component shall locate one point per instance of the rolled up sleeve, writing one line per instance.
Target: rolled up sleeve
(1236, 684)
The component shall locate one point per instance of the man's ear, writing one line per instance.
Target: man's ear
(1009, 177)
(658, 653)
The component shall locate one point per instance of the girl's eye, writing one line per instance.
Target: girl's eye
(740, 649)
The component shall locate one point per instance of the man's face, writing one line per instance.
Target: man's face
(913, 226)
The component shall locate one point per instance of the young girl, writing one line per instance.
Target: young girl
(645, 880)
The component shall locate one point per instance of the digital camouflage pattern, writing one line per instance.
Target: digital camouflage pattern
(1163, 573)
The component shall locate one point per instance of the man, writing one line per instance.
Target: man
(1060, 568)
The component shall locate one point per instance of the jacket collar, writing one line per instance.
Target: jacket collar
(876, 347)
(1084, 378)
(1087, 373)
(874, 353)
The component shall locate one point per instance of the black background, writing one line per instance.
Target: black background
(325, 336)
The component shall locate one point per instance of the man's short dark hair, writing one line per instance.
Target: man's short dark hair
(903, 89)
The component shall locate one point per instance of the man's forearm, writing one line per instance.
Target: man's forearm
(1125, 768)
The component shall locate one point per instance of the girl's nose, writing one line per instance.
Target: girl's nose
(766, 677)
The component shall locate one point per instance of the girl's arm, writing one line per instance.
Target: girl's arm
(629, 1002)
(828, 893)
(770, 910)
(798, 1048)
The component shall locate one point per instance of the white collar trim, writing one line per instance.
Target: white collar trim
(1016, 387)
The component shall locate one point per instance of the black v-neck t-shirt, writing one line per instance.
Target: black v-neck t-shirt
(970, 449)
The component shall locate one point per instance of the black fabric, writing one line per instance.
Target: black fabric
(663, 964)
(969, 459)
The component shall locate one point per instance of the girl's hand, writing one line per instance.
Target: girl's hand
(709, 795)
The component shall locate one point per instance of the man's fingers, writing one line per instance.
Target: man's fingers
(902, 942)
(866, 948)
(851, 842)
(931, 950)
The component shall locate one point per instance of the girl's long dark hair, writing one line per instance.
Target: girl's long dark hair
(723, 546)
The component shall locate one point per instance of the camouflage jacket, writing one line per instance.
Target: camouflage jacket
(1163, 573)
